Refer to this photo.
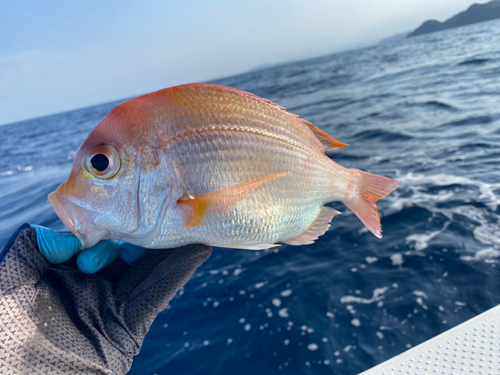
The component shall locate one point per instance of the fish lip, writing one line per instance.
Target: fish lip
(75, 218)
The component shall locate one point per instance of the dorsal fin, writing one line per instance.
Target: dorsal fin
(327, 141)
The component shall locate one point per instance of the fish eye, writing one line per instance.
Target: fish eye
(99, 162)
(103, 162)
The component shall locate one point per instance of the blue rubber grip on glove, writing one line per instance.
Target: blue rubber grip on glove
(58, 247)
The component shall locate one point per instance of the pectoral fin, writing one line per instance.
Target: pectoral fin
(194, 210)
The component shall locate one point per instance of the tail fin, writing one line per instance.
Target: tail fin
(370, 189)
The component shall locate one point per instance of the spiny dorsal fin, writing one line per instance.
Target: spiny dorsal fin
(194, 210)
(327, 141)
(318, 228)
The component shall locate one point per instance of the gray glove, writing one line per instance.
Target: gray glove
(56, 320)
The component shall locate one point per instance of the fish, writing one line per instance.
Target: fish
(204, 163)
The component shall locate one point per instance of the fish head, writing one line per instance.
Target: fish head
(117, 184)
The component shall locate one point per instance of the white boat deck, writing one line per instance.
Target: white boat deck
(472, 347)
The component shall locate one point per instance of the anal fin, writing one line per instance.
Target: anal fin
(317, 229)
(194, 210)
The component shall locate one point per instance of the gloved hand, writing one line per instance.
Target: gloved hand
(59, 246)
(55, 319)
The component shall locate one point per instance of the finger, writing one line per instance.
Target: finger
(56, 247)
(98, 256)
(130, 253)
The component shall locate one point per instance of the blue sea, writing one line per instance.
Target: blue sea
(425, 111)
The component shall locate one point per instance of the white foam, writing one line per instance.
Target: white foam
(419, 293)
(355, 322)
(397, 259)
(420, 301)
(312, 346)
(237, 271)
(486, 189)
(485, 254)
(422, 240)
(276, 302)
(485, 232)
(330, 314)
(371, 260)
(286, 342)
(377, 296)
(259, 285)
(7, 173)
(286, 293)
(247, 327)
(283, 313)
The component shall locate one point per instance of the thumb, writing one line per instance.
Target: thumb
(98, 256)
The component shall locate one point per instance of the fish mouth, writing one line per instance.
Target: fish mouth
(77, 219)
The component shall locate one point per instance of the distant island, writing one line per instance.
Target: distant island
(476, 13)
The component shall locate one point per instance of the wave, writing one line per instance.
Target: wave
(382, 135)
(330, 103)
(471, 120)
(474, 61)
(439, 195)
(439, 105)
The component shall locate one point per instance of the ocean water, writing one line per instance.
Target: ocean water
(425, 111)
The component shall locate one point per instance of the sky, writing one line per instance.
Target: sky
(57, 56)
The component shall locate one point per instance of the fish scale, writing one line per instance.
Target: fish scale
(211, 152)
(210, 164)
